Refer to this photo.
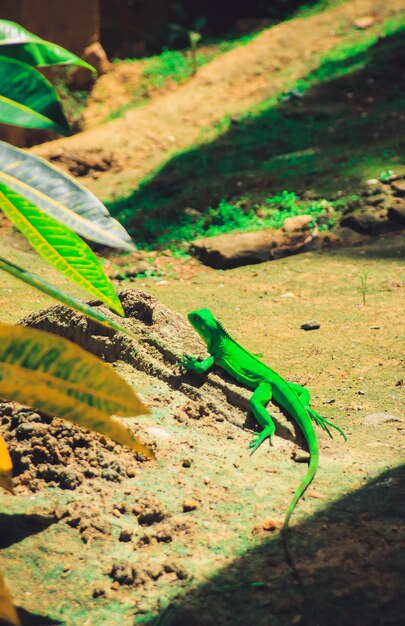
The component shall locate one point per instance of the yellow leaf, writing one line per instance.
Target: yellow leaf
(8, 614)
(57, 377)
(6, 467)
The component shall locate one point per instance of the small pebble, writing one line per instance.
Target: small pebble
(374, 419)
(312, 325)
(186, 463)
(189, 505)
(316, 495)
(207, 480)
(300, 456)
(271, 525)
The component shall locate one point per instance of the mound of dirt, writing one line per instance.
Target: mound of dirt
(161, 337)
(48, 451)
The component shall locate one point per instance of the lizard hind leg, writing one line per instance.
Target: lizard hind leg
(319, 420)
(324, 423)
(261, 396)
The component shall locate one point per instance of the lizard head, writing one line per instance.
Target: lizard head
(204, 323)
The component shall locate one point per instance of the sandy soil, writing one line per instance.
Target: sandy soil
(195, 538)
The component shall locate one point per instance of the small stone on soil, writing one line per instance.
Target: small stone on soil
(300, 456)
(271, 525)
(375, 419)
(312, 325)
(189, 505)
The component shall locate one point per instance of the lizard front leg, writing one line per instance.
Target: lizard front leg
(303, 394)
(192, 364)
(261, 396)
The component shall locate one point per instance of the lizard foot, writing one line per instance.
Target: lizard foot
(258, 438)
(187, 362)
(324, 423)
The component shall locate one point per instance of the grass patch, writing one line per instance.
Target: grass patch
(228, 217)
(173, 66)
(333, 130)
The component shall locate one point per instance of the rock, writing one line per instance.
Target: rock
(301, 456)
(271, 525)
(312, 325)
(364, 22)
(348, 236)
(25, 431)
(234, 250)
(311, 242)
(189, 505)
(368, 224)
(398, 187)
(96, 56)
(396, 211)
(375, 419)
(299, 222)
(376, 200)
(229, 251)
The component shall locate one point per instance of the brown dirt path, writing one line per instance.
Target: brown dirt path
(145, 137)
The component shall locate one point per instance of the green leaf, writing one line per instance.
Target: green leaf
(27, 99)
(20, 44)
(58, 245)
(50, 290)
(54, 375)
(60, 196)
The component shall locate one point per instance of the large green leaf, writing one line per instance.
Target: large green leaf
(50, 290)
(56, 376)
(58, 245)
(20, 44)
(61, 196)
(27, 99)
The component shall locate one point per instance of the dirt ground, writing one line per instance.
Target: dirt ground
(112, 158)
(100, 538)
(94, 536)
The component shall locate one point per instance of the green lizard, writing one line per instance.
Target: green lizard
(267, 384)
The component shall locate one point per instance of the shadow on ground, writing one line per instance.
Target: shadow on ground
(351, 557)
(389, 246)
(328, 138)
(33, 619)
(16, 527)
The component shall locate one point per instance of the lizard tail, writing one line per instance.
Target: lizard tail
(306, 481)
